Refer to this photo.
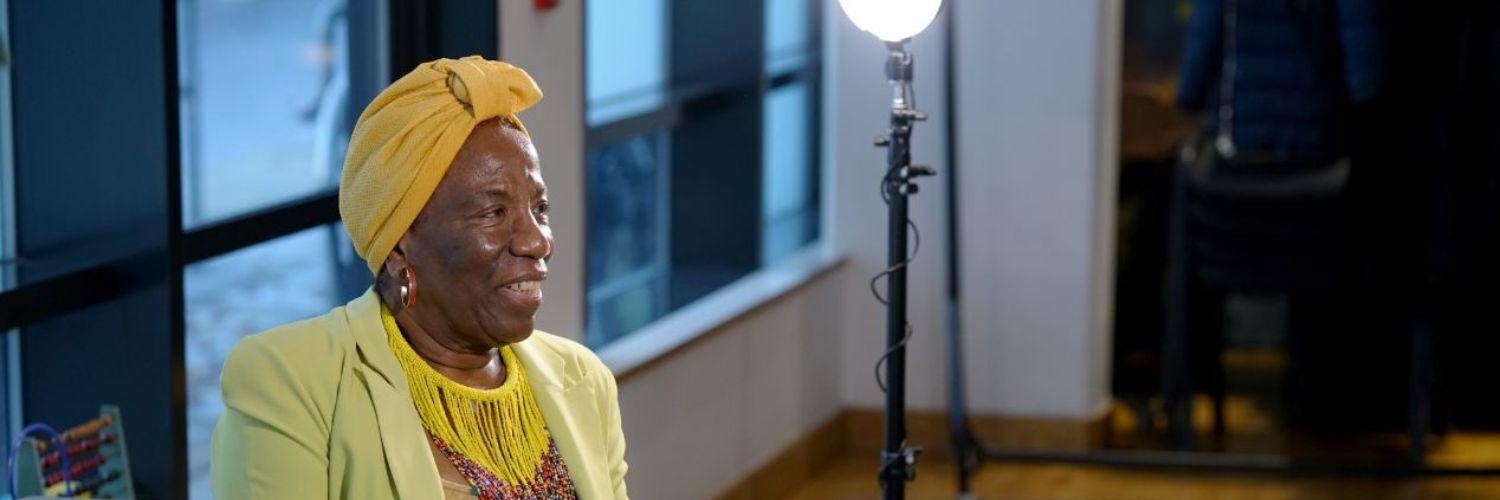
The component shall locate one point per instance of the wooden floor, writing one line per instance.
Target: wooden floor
(1253, 420)
(852, 477)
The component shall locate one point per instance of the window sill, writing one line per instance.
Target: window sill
(634, 353)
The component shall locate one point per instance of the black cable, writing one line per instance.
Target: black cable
(916, 246)
(888, 352)
(885, 183)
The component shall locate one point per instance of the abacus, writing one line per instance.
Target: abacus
(87, 460)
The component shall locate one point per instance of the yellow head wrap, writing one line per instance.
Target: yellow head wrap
(405, 140)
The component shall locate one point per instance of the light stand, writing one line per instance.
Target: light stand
(895, 22)
(898, 461)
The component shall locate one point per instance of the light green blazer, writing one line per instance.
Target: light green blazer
(320, 409)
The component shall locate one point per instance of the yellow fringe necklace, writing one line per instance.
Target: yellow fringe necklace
(500, 429)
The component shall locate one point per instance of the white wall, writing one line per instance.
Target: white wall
(704, 419)
(1037, 83)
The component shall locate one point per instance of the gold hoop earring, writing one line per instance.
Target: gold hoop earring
(409, 290)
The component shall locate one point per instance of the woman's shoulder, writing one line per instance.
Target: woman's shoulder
(303, 357)
(558, 344)
(577, 360)
(312, 341)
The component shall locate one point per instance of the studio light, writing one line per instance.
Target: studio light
(891, 20)
(896, 21)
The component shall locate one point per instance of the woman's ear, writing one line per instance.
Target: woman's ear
(395, 263)
(393, 275)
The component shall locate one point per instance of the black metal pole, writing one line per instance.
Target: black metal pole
(895, 375)
(895, 329)
(898, 461)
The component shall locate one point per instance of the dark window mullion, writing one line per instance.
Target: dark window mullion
(422, 30)
(665, 117)
(261, 226)
(90, 160)
(788, 77)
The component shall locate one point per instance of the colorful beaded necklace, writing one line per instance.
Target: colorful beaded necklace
(552, 480)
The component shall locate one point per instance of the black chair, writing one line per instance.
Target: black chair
(1273, 228)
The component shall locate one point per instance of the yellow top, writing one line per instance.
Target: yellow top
(321, 408)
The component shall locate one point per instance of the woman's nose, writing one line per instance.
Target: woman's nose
(530, 239)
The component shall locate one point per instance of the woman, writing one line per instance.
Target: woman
(433, 383)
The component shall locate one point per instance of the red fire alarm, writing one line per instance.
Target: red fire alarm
(544, 5)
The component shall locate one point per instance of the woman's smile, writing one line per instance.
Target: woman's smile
(524, 294)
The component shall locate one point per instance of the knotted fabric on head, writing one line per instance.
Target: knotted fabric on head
(405, 140)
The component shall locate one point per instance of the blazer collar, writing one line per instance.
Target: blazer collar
(369, 336)
(544, 366)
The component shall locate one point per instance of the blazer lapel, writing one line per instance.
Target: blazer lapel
(407, 455)
(571, 417)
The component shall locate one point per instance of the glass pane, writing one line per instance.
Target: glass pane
(253, 289)
(627, 239)
(10, 389)
(264, 102)
(787, 28)
(788, 202)
(7, 169)
(626, 53)
(10, 365)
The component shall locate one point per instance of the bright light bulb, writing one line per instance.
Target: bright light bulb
(891, 20)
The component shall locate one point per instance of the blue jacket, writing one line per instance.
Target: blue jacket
(1299, 65)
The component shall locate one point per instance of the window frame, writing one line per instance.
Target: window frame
(686, 96)
(10, 355)
(81, 285)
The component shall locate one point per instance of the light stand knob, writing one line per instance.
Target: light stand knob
(912, 171)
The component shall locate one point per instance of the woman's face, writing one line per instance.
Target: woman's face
(479, 249)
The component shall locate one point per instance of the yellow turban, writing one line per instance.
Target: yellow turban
(405, 140)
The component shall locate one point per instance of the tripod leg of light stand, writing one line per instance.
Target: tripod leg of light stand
(966, 453)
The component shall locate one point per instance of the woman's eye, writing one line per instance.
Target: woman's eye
(542, 209)
(497, 212)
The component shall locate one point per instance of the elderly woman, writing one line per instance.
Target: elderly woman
(433, 384)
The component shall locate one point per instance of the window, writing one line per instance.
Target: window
(626, 58)
(264, 100)
(788, 35)
(627, 223)
(10, 366)
(294, 277)
(790, 202)
(790, 214)
(150, 249)
(6, 171)
(702, 162)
